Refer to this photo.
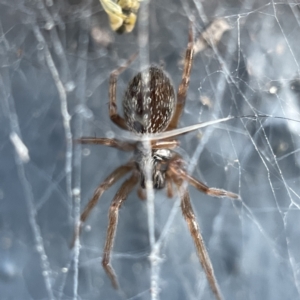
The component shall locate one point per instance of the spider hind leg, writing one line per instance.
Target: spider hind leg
(119, 198)
(106, 184)
(185, 81)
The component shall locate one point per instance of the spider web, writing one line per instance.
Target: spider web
(56, 57)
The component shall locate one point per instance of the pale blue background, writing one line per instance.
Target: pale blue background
(254, 247)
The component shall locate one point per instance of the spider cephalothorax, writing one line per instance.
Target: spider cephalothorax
(156, 162)
(150, 107)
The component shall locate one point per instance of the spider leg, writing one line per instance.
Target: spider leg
(189, 216)
(119, 198)
(124, 146)
(208, 190)
(106, 184)
(176, 168)
(113, 114)
(141, 193)
(184, 85)
(164, 144)
(169, 185)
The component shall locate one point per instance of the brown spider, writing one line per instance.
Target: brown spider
(150, 108)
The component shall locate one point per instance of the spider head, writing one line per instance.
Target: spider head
(154, 161)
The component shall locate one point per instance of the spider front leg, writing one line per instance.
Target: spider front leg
(120, 197)
(106, 184)
(113, 113)
(184, 85)
(208, 190)
(121, 145)
(177, 170)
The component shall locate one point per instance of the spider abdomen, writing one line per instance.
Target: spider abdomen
(149, 101)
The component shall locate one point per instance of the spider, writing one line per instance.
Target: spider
(151, 109)
(121, 13)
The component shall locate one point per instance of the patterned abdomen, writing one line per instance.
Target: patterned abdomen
(149, 101)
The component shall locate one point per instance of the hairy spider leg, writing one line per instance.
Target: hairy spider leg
(124, 146)
(106, 184)
(176, 168)
(119, 198)
(113, 110)
(194, 229)
(169, 185)
(184, 85)
(167, 144)
(208, 190)
(178, 175)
